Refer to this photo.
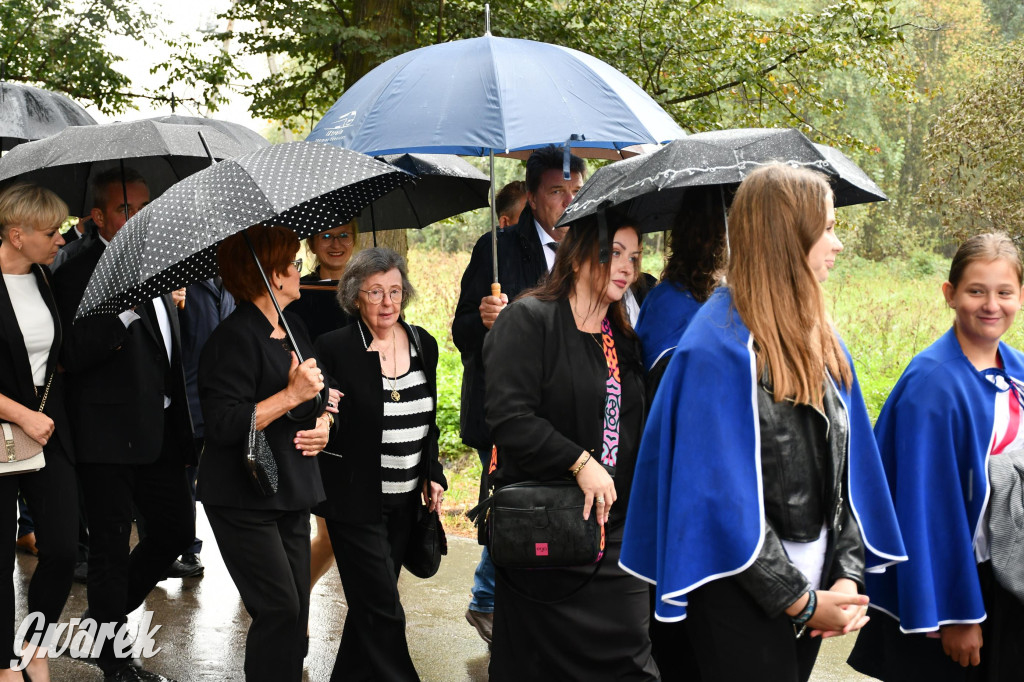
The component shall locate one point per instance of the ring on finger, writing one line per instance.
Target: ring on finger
(600, 499)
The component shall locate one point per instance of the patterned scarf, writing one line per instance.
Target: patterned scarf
(613, 397)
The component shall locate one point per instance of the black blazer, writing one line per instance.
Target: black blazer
(117, 377)
(239, 366)
(353, 481)
(15, 373)
(546, 394)
(521, 265)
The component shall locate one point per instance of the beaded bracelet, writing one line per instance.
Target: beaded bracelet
(579, 467)
(805, 615)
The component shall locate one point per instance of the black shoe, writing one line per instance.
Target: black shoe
(81, 574)
(130, 673)
(189, 566)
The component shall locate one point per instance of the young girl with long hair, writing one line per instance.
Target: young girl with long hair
(755, 499)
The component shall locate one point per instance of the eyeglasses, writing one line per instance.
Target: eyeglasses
(327, 237)
(376, 296)
(297, 263)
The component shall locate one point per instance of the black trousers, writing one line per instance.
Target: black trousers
(369, 556)
(121, 577)
(267, 555)
(52, 495)
(734, 640)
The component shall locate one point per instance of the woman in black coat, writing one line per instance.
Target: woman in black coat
(555, 414)
(387, 442)
(249, 377)
(30, 338)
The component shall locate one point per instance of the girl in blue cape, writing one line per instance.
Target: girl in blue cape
(696, 263)
(759, 497)
(941, 615)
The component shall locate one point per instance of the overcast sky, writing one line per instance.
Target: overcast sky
(184, 16)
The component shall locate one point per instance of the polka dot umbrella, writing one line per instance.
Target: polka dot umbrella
(307, 187)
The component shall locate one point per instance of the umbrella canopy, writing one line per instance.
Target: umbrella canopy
(445, 185)
(161, 152)
(248, 140)
(649, 191)
(306, 187)
(482, 95)
(28, 113)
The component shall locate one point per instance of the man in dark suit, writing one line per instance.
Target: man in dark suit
(526, 252)
(131, 426)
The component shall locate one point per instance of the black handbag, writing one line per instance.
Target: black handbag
(260, 462)
(427, 544)
(540, 525)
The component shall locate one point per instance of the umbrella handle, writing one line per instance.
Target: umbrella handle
(496, 289)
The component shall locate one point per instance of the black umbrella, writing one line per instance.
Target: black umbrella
(307, 187)
(650, 190)
(28, 113)
(445, 185)
(248, 140)
(161, 152)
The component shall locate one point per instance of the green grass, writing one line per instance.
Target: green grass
(886, 313)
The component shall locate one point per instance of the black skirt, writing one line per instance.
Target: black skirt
(885, 652)
(601, 632)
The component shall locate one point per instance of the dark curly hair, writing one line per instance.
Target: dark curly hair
(697, 256)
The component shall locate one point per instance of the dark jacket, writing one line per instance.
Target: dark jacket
(521, 265)
(353, 480)
(241, 365)
(804, 472)
(318, 307)
(15, 373)
(117, 377)
(207, 304)
(546, 395)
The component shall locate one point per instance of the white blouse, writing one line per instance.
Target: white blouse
(34, 320)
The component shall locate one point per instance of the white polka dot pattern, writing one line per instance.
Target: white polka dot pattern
(308, 187)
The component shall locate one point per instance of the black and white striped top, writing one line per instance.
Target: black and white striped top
(406, 424)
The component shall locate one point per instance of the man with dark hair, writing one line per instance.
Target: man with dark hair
(131, 427)
(526, 252)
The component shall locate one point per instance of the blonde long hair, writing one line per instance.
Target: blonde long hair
(778, 214)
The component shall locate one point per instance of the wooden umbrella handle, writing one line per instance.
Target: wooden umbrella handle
(496, 289)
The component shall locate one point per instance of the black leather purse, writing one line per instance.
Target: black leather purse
(260, 462)
(540, 525)
(427, 544)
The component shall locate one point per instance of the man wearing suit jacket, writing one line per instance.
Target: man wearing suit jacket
(131, 426)
(526, 252)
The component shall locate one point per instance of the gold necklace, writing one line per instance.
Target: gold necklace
(395, 395)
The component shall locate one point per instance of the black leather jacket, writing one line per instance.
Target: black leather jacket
(804, 456)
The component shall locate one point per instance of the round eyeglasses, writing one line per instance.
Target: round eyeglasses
(327, 237)
(375, 296)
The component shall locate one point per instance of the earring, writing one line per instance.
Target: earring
(281, 287)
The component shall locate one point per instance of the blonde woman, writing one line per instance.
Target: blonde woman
(743, 510)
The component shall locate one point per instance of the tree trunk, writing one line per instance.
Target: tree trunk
(395, 22)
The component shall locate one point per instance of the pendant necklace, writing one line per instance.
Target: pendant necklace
(395, 395)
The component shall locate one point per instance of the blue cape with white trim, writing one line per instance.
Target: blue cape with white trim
(934, 433)
(664, 316)
(696, 511)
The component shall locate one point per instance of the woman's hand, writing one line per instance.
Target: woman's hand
(836, 611)
(598, 488)
(37, 425)
(333, 399)
(962, 643)
(858, 612)
(312, 441)
(304, 381)
(433, 495)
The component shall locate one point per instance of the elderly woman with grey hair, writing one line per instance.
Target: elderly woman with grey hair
(387, 439)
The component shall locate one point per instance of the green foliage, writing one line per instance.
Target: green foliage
(975, 155)
(1008, 15)
(60, 45)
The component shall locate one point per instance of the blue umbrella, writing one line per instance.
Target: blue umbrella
(486, 96)
(501, 95)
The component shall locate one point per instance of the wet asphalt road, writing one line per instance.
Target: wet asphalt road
(203, 624)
